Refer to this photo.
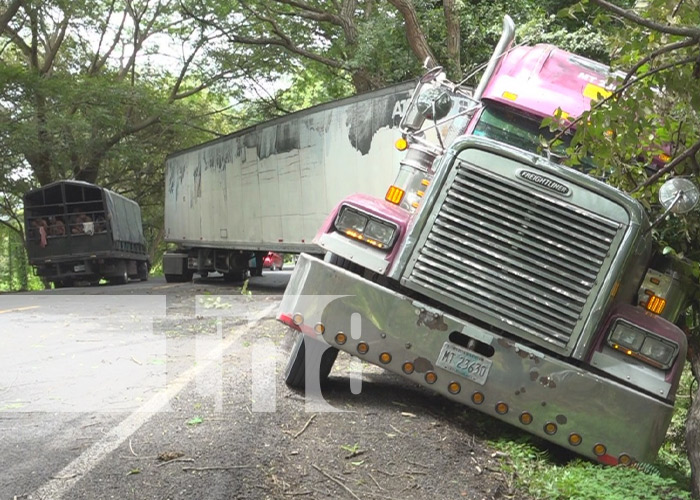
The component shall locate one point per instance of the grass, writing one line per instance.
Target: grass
(546, 477)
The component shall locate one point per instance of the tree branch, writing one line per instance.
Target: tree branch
(688, 153)
(414, 33)
(52, 46)
(662, 50)
(617, 92)
(663, 28)
(9, 13)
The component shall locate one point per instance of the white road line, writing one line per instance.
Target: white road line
(63, 481)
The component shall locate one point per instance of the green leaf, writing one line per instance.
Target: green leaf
(195, 421)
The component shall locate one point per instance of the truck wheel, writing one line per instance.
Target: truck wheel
(143, 271)
(235, 277)
(318, 354)
(179, 278)
(123, 277)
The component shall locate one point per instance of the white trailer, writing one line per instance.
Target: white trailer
(270, 187)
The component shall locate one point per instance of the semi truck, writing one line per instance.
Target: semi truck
(77, 231)
(230, 201)
(498, 277)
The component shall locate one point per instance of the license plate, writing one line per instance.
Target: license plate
(79, 268)
(464, 362)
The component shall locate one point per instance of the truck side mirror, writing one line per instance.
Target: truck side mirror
(434, 104)
(679, 195)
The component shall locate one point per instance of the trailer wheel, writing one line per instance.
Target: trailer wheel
(179, 278)
(311, 352)
(235, 277)
(143, 271)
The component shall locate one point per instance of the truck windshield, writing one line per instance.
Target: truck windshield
(522, 131)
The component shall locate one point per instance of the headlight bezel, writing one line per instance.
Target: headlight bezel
(361, 233)
(622, 330)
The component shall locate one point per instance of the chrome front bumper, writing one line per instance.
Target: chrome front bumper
(562, 400)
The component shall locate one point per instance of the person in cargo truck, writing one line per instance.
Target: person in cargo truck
(82, 224)
(57, 227)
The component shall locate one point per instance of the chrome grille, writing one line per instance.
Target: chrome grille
(524, 259)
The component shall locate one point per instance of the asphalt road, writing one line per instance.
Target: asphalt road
(165, 391)
(86, 367)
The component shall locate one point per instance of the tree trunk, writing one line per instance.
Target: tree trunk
(454, 63)
(692, 424)
(9, 13)
(414, 33)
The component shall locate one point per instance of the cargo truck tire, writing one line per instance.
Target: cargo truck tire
(122, 274)
(312, 353)
(143, 271)
(63, 283)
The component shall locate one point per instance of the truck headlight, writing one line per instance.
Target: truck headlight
(351, 220)
(380, 232)
(642, 344)
(363, 227)
(658, 350)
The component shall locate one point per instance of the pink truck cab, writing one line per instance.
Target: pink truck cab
(499, 278)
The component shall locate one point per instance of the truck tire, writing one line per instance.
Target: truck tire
(63, 283)
(318, 354)
(122, 278)
(143, 271)
(179, 278)
(339, 261)
(235, 277)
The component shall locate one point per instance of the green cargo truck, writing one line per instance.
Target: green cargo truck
(77, 231)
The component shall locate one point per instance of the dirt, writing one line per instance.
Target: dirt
(393, 440)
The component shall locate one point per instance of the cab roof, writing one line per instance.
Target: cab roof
(542, 78)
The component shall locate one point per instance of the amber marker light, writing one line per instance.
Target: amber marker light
(394, 195)
(341, 338)
(625, 459)
(501, 408)
(298, 319)
(550, 428)
(431, 377)
(599, 450)
(575, 439)
(362, 347)
(655, 304)
(454, 387)
(385, 358)
(319, 328)
(408, 367)
(509, 95)
(401, 144)
(477, 398)
(526, 418)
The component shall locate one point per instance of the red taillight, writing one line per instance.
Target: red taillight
(287, 320)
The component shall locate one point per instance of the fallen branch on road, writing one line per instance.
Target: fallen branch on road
(308, 422)
(217, 467)
(175, 460)
(335, 481)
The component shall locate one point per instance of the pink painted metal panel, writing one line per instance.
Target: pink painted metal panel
(545, 78)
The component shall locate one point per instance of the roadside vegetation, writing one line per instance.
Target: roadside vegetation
(104, 90)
